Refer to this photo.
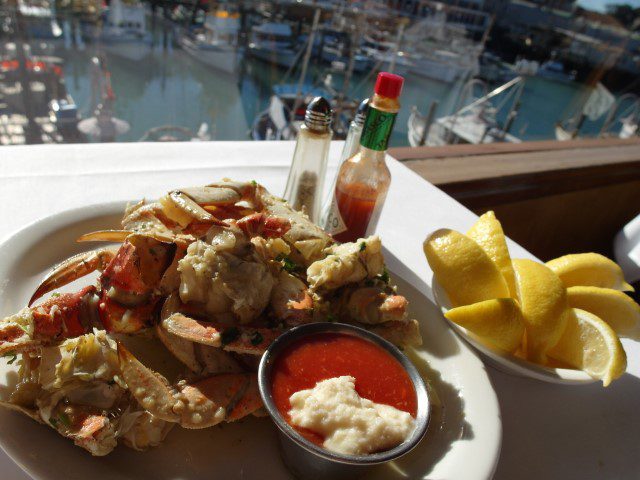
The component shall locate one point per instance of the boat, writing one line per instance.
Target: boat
(385, 52)
(215, 43)
(555, 71)
(283, 117)
(441, 50)
(175, 133)
(629, 126)
(274, 43)
(626, 111)
(597, 102)
(336, 50)
(123, 31)
(475, 123)
(494, 70)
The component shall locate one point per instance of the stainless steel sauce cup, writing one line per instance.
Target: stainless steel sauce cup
(310, 461)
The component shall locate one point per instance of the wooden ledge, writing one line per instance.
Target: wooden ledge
(421, 153)
(551, 197)
(481, 175)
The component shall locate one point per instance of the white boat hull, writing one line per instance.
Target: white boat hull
(223, 58)
(437, 71)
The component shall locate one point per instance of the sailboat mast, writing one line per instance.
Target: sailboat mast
(396, 48)
(307, 57)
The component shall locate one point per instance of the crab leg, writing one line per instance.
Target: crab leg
(241, 339)
(73, 268)
(65, 316)
(202, 404)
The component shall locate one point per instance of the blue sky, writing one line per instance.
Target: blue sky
(599, 5)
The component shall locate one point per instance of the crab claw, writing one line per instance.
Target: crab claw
(182, 209)
(118, 236)
(202, 404)
(73, 268)
(59, 317)
(259, 224)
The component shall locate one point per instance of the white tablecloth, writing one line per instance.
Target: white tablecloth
(549, 431)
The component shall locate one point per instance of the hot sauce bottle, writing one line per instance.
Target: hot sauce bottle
(363, 180)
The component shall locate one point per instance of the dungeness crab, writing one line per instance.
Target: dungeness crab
(216, 273)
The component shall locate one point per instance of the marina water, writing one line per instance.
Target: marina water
(169, 87)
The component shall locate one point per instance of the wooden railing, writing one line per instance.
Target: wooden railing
(552, 197)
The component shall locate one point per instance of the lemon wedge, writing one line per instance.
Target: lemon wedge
(487, 232)
(612, 306)
(590, 344)
(543, 303)
(589, 269)
(463, 268)
(498, 322)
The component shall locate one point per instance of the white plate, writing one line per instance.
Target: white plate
(506, 362)
(463, 441)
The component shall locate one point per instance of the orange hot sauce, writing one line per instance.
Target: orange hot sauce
(363, 180)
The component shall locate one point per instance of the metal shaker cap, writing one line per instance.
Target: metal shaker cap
(318, 115)
(361, 113)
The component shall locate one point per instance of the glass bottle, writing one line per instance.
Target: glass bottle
(309, 165)
(350, 148)
(363, 180)
(352, 142)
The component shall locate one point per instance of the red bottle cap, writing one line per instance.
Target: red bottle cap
(389, 85)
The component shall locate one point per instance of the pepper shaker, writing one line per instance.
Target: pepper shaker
(309, 165)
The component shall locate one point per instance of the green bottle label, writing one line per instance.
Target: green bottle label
(377, 129)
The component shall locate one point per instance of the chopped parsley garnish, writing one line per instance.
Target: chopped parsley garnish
(13, 359)
(368, 282)
(55, 295)
(230, 335)
(256, 339)
(363, 246)
(288, 264)
(384, 276)
(254, 183)
(53, 423)
(64, 419)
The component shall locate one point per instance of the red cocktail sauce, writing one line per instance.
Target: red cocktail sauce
(379, 376)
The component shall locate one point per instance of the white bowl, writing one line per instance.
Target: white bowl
(505, 361)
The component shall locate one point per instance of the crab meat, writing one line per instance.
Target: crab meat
(373, 305)
(290, 300)
(218, 280)
(346, 264)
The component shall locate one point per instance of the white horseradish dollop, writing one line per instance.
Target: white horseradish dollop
(350, 424)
